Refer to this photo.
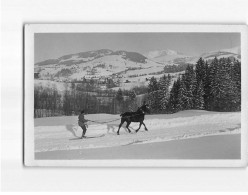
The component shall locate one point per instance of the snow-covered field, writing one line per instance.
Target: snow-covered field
(61, 134)
(60, 86)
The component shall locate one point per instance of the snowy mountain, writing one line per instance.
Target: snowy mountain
(223, 53)
(161, 53)
(235, 50)
(169, 57)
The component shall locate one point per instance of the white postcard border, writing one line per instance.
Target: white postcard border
(31, 29)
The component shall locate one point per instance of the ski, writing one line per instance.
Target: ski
(89, 137)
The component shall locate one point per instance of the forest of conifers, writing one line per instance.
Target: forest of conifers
(214, 86)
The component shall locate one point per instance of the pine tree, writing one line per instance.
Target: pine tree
(200, 69)
(184, 101)
(153, 96)
(223, 88)
(236, 77)
(163, 92)
(199, 98)
(213, 83)
(207, 87)
(172, 99)
(174, 96)
(202, 74)
(191, 85)
(153, 85)
(229, 88)
(193, 88)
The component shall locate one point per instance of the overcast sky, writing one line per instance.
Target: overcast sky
(54, 45)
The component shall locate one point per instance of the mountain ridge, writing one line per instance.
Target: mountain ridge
(160, 56)
(87, 56)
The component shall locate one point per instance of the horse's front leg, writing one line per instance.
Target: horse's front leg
(139, 127)
(145, 126)
(122, 121)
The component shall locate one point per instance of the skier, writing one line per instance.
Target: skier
(82, 123)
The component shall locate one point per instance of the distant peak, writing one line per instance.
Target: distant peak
(160, 53)
(235, 50)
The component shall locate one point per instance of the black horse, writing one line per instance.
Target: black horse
(137, 117)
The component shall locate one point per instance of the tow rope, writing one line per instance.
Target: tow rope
(113, 120)
(103, 122)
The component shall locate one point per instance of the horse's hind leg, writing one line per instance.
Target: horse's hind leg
(128, 123)
(122, 121)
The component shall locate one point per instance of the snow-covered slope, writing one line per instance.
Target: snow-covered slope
(169, 57)
(99, 64)
(223, 53)
(62, 133)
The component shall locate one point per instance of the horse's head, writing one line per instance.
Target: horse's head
(145, 109)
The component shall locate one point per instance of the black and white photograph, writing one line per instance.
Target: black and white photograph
(124, 96)
(135, 95)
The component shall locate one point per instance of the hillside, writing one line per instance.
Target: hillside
(125, 69)
(99, 65)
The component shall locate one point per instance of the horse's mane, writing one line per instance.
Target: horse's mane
(141, 109)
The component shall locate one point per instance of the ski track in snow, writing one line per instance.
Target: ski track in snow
(62, 133)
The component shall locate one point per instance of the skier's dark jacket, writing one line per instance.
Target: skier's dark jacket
(81, 120)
